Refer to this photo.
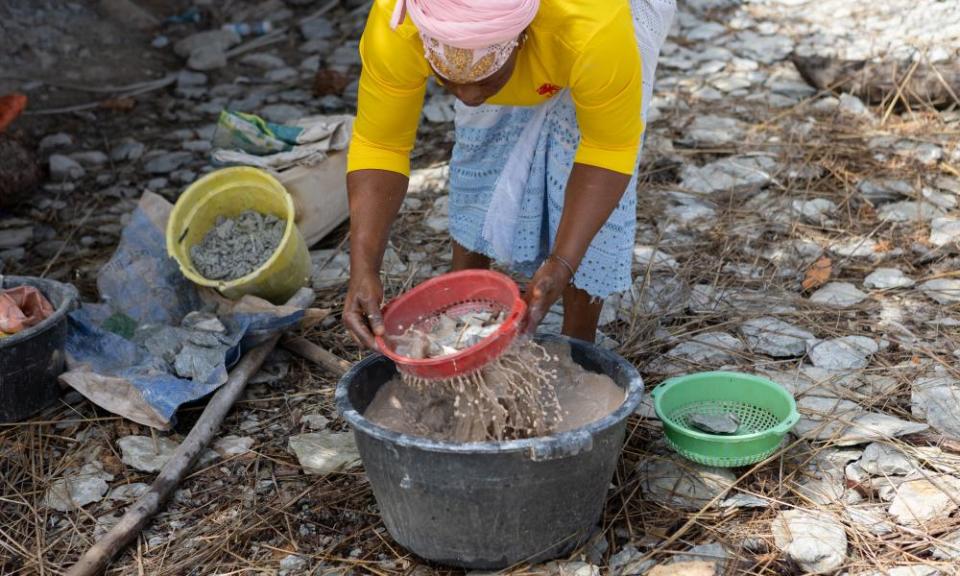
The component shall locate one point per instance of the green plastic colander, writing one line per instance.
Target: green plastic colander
(765, 409)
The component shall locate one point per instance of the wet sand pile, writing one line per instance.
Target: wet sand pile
(529, 391)
(235, 247)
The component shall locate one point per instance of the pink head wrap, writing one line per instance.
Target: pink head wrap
(467, 40)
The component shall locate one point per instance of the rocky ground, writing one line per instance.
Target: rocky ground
(798, 234)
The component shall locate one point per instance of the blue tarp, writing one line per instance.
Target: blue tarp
(142, 284)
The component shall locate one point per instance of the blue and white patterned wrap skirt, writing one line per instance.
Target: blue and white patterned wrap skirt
(509, 171)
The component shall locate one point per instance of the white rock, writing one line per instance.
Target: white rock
(816, 211)
(128, 492)
(437, 219)
(439, 109)
(282, 113)
(329, 268)
(127, 150)
(280, 75)
(90, 158)
(856, 248)
(844, 353)
(728, 174)
(846, 423)
(871, 517)
(854, 106)
(708, 131)
(924, 152)
(325, 452)
(937, 400)
(908, 211)
(220, 40)
(142, 453)
(711, 552)
(887, 278)
(649, 258)
(742, 500)
(682, 484)
(710, 349)
(293, 563)
(919, 501)
(815, 540)
(165, 163)
(315, 421)
(233, 445)
(947, 547)
(207, 58)
(775, 337)
(943, 290)
(263, 61)
(705, 31)
(944, 231)
(55, 142)
(76, 490)
(628, 561)
(885, 460)
(65, 168)
(884, 189)
(838, 295)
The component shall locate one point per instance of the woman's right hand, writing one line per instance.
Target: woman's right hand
(361, 310)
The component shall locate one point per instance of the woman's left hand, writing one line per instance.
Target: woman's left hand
(543, 291)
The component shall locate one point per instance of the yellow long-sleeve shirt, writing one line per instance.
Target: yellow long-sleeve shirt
(586, 45)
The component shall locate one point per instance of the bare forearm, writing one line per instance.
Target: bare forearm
(375, 199)
(591, 196)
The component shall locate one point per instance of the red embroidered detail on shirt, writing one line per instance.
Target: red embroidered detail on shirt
(548, 89)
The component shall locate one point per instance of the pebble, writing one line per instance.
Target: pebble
(15, 237)
(909, 211)
(854, 106)
(734, 173)
(673, 482)
(65, 168)
(945, 291)
(263, 61)
(90, 159)
(145, 454)
(281, 75)
(885, 189)
(774, 337)
(216, 40)
(935, 400)
(183, 176)
(127, 150)
(727, 423)
(56, 141)
(324, 452)
(815, 540)
(315, 46)
(190, 79)
(838, 295)
(198, 146)
(920, 501)
(844, 353)
(887, 278)
(708, 131)
(77, 489)
(167, 162)
(944, 230)
(233, 445)
(317, 29)
(886, 460)
(282, 113)
(207, 58)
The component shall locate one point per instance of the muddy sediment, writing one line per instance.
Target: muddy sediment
(571, 397)
(235, 247)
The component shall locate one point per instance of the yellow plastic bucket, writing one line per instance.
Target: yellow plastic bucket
(228, 193)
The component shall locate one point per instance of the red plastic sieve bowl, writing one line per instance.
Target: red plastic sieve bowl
(455, 293)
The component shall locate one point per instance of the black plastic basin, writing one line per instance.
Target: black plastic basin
(489, 505)
(31, 360)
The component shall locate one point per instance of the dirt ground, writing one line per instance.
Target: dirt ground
(760, 197)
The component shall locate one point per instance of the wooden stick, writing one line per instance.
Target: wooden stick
(139, 514)
(317, 354)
